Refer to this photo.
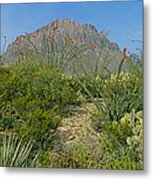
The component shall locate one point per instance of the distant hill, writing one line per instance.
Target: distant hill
(85, 37)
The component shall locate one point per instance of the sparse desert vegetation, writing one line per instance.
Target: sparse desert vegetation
(71, 105)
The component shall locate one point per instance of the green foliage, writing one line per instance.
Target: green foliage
(36, 95)
(119, 146)
(116, 94)
(44, 159)
(14, 152)
(33, 100)
(75, 154)
(122, 142)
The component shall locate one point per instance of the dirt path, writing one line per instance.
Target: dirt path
(78, 127)
(77, 145)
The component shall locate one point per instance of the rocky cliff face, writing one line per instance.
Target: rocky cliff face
(63, 31)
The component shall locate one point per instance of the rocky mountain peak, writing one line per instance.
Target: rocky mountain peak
(64, 29)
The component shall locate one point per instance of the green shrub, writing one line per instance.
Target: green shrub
(35, 96)
(33, 100)
(117, 94)
(122, 143)
(118, 146)
(75, 154)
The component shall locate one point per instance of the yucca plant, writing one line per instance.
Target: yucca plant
(15, 152)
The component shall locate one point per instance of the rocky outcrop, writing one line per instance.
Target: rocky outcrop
(63, 30)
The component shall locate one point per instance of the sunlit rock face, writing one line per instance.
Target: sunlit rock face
(64, 31)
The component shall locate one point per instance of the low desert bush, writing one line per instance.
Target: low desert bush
(33, 100)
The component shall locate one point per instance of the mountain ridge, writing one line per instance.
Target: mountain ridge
(62, 30)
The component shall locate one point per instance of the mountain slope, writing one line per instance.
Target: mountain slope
(85, 39)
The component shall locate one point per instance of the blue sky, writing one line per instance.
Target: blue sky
(123, 19)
